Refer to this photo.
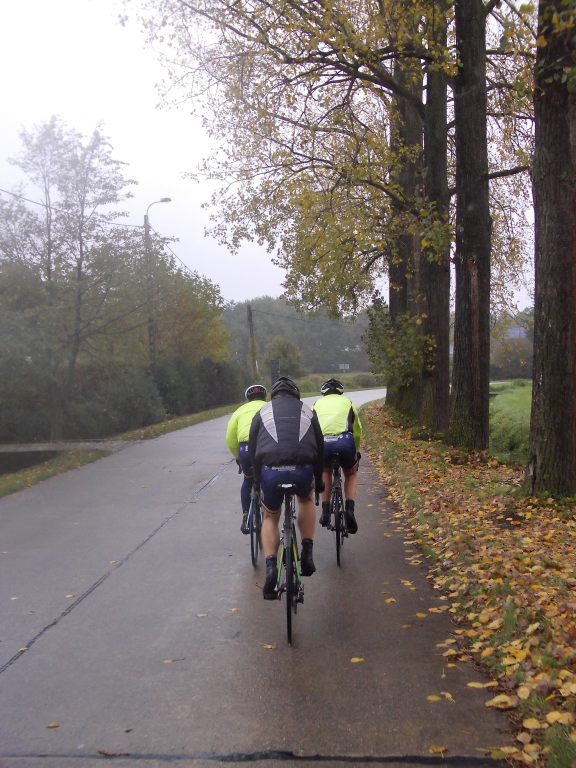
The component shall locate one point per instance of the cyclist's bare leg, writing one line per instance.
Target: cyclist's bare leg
(350, 482)
(270, 531)
(306, 525)
(306, 516)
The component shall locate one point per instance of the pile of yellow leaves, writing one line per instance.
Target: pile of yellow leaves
(507, 563)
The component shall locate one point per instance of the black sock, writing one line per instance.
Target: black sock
(350, 505)
(307, 544)
(325, 506)
(271, 560)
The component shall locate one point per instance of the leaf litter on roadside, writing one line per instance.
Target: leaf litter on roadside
(506, 565)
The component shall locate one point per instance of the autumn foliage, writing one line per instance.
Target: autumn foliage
(507, 564)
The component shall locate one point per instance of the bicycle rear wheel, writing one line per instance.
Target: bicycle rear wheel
(254, 529)
(337, 504)
(290, 566)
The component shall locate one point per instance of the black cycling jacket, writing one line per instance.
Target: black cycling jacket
(286, 432)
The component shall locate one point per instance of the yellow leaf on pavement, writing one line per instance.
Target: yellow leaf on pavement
(448, 696)
(433, 697)
(437, 749)
(53, 725)
(356, 659)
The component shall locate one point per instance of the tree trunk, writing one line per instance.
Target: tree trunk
(406, 133)
(552, 452)
(471, 369)
(435, 264)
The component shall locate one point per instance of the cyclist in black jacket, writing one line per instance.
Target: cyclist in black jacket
(286, 446)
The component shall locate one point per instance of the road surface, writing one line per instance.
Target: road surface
(133, 630)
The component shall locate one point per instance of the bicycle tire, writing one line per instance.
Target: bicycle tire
(338, 512)
(289, 571)
(254, 530)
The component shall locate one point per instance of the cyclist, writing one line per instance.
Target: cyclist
(286, 446)
(237, 441)
(342, 431)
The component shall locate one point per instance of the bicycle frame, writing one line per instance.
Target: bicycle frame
(289, 570)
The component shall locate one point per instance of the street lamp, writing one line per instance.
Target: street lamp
(150, 285)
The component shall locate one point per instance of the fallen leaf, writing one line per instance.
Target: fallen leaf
(564, 718)
(53, 725)
(421, 615)
(433, 697)
(390, 600)
(532, 724)
(269, 646)
(502, 701)
(356, 659)
(437, 749)
(448, 696)
(501, 752)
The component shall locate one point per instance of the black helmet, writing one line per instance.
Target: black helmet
(332, 386)
(255, 392)
(285, 384)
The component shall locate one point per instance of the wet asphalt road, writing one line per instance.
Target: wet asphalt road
(133, 631)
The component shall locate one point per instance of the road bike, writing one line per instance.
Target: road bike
(289, 572)
(338, 521)
(254, 524)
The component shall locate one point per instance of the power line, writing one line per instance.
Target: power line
(111, 223)
(303, 319)
(56, 208)
(191, 272)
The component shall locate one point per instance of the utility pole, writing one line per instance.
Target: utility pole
(152, 325)
(150, 295)
(252, 344)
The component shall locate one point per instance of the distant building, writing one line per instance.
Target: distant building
(516, 332)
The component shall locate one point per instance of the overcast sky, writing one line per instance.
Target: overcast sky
(73, 59)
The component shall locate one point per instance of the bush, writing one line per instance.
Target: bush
(125, 401)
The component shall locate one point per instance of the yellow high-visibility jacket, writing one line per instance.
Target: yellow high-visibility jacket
(338, 414)
(238, 427)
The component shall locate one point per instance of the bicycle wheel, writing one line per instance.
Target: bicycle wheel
(337, 504)
(290, 575)
(254, 529)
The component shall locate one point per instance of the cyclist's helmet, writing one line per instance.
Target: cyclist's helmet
(285, 384)
(332, 387)
(255, 392)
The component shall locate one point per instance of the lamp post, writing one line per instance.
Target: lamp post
(152, 328)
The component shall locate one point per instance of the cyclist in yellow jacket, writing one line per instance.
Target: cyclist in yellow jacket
(237, 441)
(342, 430)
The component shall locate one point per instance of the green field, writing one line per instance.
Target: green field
(510, 419)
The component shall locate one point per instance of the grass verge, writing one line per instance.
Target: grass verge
(66, 460)
(507, 565)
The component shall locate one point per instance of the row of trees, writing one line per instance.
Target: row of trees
(396, 136)
(312, 342)
(98, 333)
